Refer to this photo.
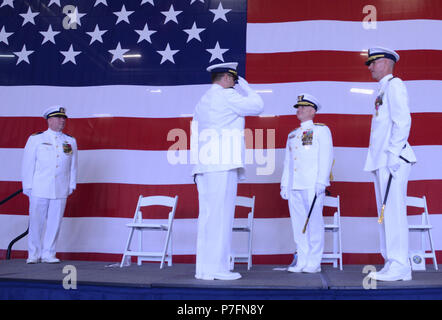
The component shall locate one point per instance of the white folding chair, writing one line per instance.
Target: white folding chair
(241, 227)
(334, 227)
(424, 227)
(140, 226)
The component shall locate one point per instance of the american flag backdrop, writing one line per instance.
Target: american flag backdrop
(130, 73)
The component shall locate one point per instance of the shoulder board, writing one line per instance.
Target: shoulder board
(36, 133)
(292, 133)
(392, 78)
(68, 135)
(320, 124)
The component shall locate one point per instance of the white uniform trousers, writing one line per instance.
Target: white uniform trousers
(310, 245)
(393, 231)
(44, 214)
(217, 196)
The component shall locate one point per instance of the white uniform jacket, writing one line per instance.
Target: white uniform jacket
(308, 157)
(390, 125)
(217, 141)
(50, 164)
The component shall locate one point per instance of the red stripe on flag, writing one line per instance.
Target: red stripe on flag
(284, 259)
(336, 66)
(151, 133)
(277, 259)
(264, 11)
(115, 200)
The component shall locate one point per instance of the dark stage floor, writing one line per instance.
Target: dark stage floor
(180, 277)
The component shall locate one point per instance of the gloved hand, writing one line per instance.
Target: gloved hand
(393, 163)
(244, 84)
(319, 189)
(284, 193)
(27, 192)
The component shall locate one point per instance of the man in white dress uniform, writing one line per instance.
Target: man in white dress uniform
(389, 153)
(49, 176)
(217, 144)
(306, 174)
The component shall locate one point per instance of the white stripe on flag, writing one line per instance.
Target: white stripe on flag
(153, 167)
(180, 101)
(342, 35)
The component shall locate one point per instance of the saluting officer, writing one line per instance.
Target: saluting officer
(218, 140)
(307, 165)
(389, 153)
(49, 176)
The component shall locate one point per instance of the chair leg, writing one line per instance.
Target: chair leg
(170, 252)
(126, 249)
(335, 247)
(140, 246)
(249, 262)
(165, 249)
(340, 253)
(232, 262)
(432, 250)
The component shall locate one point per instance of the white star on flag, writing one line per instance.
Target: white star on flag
(220, 13)
(217, 52)
(171, 14)
(69, 56)
(23, 55)
(75, 17)
(4, 35)
(7, 2)
(118, 53)
(167, 54)
(123, 15)
(28, 16)
(194, 32)
(100, 1)
(96, 35)
(49, 35)
(57, 2)
(145, 34)
(147, 1)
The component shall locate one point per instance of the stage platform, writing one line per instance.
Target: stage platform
(103, 280)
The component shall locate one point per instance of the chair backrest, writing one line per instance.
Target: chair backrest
(419, 203)
(245, 202)
(158, 201)
(416, 202)
(165, 201)
(333, 202)
(330, 201)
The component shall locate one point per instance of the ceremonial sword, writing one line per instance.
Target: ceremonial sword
(381, 218)
(309, 214)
